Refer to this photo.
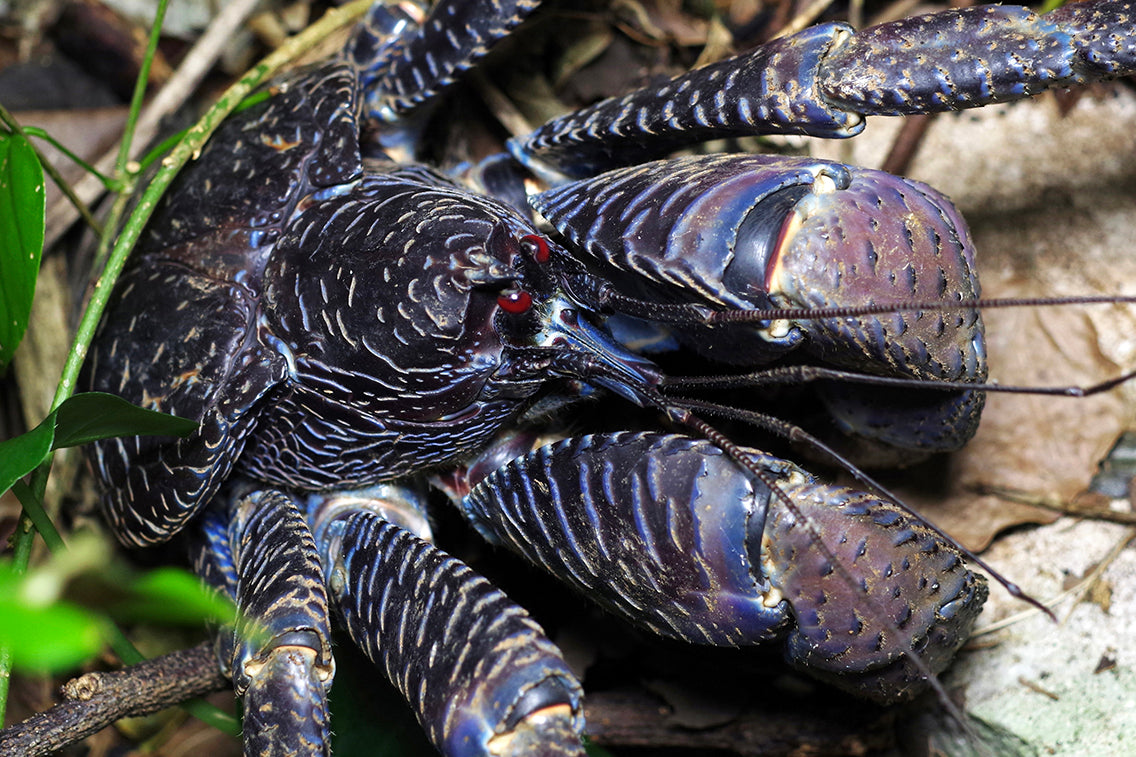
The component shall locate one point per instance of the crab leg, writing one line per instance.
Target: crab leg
(824, 80)
(260, 551)
(478, 671)
(402, 73)
(669, 533)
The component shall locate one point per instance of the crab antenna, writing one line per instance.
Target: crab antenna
(799, 374)
(804, 314)
(683, 314)
(679, 411)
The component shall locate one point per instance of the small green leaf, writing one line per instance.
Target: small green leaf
(58, 614)
(20, 455)
(92, 416)
(21, 238)
(173, 597)
(50, 637)
(83, 418)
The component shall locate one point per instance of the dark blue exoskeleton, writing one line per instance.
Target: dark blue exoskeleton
(342, 327)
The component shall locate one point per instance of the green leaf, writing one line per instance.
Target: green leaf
(58, 614)
(50, 637)
(92, 416)
(83, 418)
(21, 455)
(173, 597)
(21, 238)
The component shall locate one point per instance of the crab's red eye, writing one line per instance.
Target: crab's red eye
(536, 246)
(515, 302)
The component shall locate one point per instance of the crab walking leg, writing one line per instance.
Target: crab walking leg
(401, 73)
(477, 670)
(671, 534)
(261, 552)
(823, 81)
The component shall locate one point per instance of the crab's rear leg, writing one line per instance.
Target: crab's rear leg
(478, 671)
(258, 549)
(671, 534)
(824, 80)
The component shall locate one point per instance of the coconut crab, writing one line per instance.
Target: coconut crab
(295, 397)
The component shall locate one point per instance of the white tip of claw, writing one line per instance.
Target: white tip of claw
(779, 329)
(771, 596)
(823, 184)
(557, 721)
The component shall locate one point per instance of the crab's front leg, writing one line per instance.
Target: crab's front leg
(255, 546)
(824, 80)
(671, 534)
(406, 61)
(477, 670)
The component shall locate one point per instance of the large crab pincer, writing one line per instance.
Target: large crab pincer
(346, 329)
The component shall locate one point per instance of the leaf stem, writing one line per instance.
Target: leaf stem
(33, 508)
(50, 169)
(25, 532)
(35, 131)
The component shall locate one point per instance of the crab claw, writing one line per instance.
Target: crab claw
(671, 534)
(834, 248)
(884, 586)
(760, 232)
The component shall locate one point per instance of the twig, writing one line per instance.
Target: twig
(633, 718)
(1037, 687)
(1083, 588)
(804, 19)
(50, 169)
(906, 143)
(95, 700)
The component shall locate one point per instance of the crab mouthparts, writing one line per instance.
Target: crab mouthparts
(600, 360)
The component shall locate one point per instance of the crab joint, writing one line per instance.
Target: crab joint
(552, 726)
(298, 657)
